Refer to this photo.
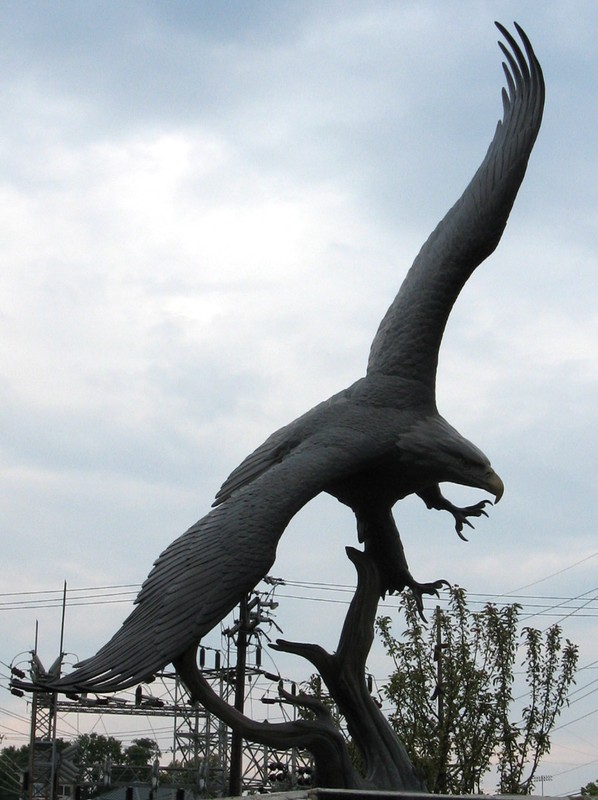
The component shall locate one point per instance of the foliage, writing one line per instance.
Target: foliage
(103, 759)
(142, 752)
(96, 749)
(13, 760)
(312, 687)
(95, 752)
(590, 789)
(455, 730)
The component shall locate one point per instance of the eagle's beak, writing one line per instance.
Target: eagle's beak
(495, 486)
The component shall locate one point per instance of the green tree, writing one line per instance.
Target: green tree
(590, 789)
(94, 752)
(452, 693)
(142, 752)
(13, 761)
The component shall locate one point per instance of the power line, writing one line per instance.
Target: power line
(20, 734)
(10, 713)
(577, 766)
(543, 610)
(92, 592)
(583, 605)
(553, 574)
(70, 604)
(80, 589)
(583, 697)
(580, 689)
(566, 724)
(484, 598)
(108, 594)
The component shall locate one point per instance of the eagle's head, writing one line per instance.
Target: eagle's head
(437, 449)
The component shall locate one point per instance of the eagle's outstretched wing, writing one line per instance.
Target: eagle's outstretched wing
(409, 336)
(204, 573)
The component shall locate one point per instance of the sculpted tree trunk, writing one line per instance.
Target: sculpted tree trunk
(386, 763)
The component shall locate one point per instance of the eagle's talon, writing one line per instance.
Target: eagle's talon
(419, 589)
(461, 516)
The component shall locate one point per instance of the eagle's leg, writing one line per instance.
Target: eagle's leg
(377, 529)
(433, 498)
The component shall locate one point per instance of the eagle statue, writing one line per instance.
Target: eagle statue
(369, 446)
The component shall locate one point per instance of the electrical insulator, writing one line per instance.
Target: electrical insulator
(18, 673)
(370, 684)
(253, 603)
(202, 657)
(217, 659)
(258, 656)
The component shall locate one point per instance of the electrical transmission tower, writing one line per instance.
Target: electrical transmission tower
(207, 757)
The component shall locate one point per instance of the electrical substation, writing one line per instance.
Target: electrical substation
(207, 758)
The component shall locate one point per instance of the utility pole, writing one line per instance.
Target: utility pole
(236, 748)
(543, 779)
(58, 668)
(439, 696)
(33, 729)
(439, 676)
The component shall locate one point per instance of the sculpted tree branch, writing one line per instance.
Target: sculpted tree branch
(320, 736)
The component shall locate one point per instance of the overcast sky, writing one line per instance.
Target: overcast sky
(206, 209)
